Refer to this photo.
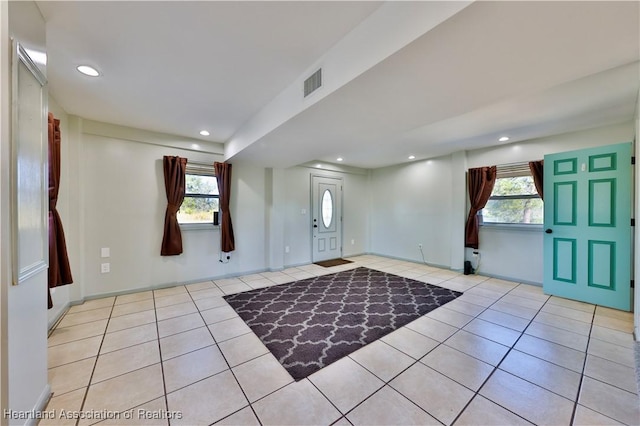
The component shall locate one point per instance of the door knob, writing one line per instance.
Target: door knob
(548, 231)
(315, 226)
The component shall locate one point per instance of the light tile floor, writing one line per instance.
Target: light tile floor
(503, 353)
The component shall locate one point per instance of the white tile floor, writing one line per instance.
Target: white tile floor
(503, 353)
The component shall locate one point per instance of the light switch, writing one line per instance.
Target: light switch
(105, 252)
(303, 211)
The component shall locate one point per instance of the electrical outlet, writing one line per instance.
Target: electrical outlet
(105, 268)
(420, 246)
(286, 249)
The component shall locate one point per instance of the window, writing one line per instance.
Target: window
(514, 199)
(201, 199)
(327, 208)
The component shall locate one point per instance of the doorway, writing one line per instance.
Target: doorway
(587, 222)
(326, 218)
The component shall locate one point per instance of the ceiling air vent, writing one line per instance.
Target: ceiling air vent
(313, 83)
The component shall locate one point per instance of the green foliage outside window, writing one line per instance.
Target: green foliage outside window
(514, 200)
(200, 201)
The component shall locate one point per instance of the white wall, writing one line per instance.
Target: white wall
(123, 202)
(515, 254)
(249, 214)
(5, 240)
(355, 211)
(115, 198)
(424, 202)
(411, 204)
(26, 305)
(387, 211)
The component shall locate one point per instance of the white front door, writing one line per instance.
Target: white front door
(326, 217)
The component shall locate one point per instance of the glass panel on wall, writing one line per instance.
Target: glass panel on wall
(327, 208)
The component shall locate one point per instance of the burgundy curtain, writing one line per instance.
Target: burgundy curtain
(174, 183)
(59, 269)
(537, 171)
(480, 182)
(223, 176)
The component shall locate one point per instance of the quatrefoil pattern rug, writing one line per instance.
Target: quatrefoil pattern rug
(311, 323)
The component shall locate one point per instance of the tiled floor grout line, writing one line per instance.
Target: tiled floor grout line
(226, 361)
(164, 382)
(584, 364)
(582, 373)
(511, 347)
(391, 345)
(342, 415)
(440, 343)
(288, 384)
(95, 364)
(117, 375)
(496, 367)
(530, 321)
(72, 341)
(388, 382)
(322, 393)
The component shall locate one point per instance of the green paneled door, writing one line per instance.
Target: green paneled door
(587, 222)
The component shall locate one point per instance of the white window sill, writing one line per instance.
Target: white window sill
(512, 227)
(198, 227)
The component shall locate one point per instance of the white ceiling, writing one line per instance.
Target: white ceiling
(524, 69)
(182, 66)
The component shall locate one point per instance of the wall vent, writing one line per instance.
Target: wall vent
(313, 83)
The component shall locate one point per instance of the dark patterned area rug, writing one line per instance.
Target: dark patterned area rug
(311, 323)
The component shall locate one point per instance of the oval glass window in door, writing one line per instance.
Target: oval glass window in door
(327, 208)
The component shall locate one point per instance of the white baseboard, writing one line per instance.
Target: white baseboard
(38, 408)
(53, 321)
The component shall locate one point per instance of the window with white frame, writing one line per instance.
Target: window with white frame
(201, 203)
(514, 199)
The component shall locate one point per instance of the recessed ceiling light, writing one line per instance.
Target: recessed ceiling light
(503, 139)
(87, 70)
(411, 157)
(204, 133)
(339, 159)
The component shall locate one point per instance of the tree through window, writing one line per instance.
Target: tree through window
(201, 199)
(514, 199)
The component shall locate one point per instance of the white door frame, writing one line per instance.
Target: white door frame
(339, 224)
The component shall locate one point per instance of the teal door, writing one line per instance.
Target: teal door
(587, 222)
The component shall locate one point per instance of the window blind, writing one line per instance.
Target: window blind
(513, 170)
(201, 169)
